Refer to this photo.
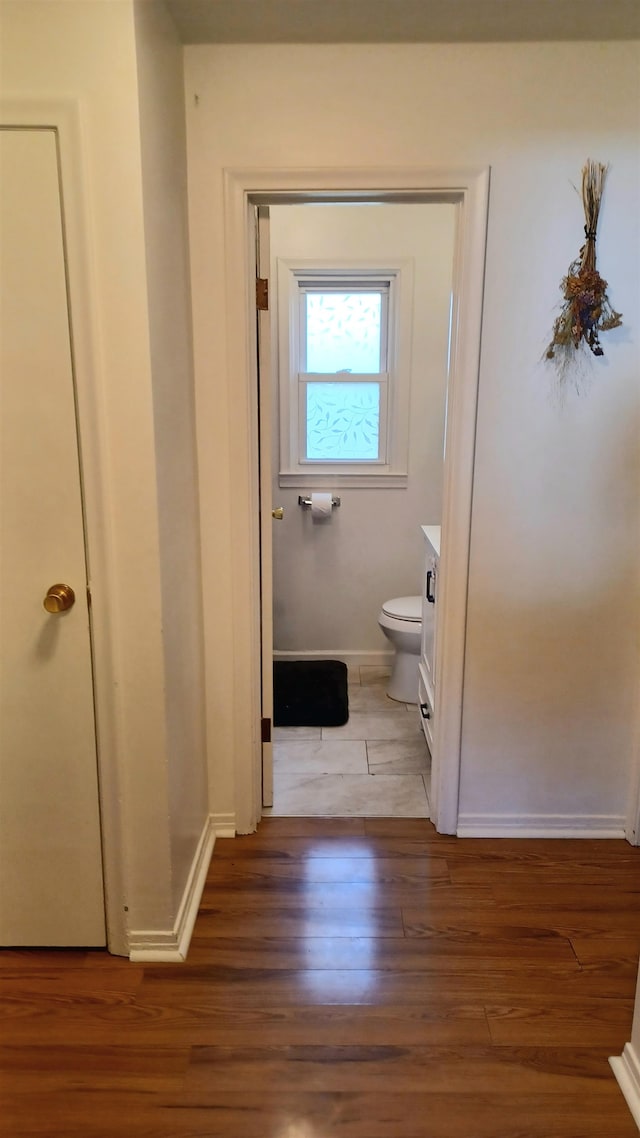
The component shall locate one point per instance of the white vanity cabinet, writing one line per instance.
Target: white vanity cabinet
(426, 671)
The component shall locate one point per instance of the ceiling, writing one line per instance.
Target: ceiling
(403, 21)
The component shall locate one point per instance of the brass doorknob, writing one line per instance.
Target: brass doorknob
(278, 514)
(59, 598)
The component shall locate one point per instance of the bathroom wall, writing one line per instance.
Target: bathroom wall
(550, 699)
(330, 577)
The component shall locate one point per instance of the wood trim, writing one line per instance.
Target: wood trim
(173, 944)
(347, 481)
(541, 826)
(462, 400)
(626, 1069)
(632, 831)
(469, 189)
(375, 658)
(224, 825)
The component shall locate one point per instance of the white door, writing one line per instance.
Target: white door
(51, 889)
(267, 513)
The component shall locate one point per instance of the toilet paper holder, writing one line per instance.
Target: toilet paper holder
(306, 502)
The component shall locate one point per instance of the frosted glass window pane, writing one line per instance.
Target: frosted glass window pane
(343, 331)
(343, 421)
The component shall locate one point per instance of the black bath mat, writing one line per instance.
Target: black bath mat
(310, 693)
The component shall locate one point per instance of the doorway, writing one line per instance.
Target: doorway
(332, 575)
(245, 189)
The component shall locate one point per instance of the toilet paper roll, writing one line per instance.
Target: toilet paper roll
(321, 505)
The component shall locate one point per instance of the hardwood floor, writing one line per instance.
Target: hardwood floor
(353, 978)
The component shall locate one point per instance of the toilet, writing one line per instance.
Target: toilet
(401, 621)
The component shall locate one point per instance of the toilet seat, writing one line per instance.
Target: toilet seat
(404, 608)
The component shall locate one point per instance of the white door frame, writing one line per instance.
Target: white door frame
(63, 116)
(467, 188)
(632, 825)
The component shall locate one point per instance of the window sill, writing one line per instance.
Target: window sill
(355, 481)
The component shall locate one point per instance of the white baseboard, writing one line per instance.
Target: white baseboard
(541, 826)
(626, 1069)
(172, 945)
(381, 658)
(224, 825)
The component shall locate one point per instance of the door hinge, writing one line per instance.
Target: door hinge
(262, 294)
(265, 731)
(89, 602)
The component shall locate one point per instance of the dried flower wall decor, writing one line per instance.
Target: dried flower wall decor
(586, 310)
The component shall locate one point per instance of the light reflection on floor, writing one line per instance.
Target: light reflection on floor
(322, 981)
(300, 1128)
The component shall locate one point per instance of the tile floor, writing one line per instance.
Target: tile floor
(377, 765)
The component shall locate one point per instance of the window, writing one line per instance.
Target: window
(344, 413)
(343, 376)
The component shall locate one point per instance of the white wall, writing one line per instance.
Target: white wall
(164, 184)
(330, 579)
(87, 53)
(552, 662)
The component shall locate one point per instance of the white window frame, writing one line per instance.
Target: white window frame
(391, 467)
